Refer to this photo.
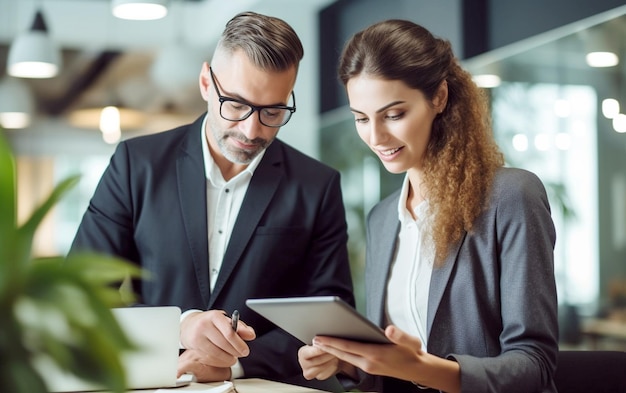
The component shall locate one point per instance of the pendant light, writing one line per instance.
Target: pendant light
(33, 54)
(16, 103)
(139, 9)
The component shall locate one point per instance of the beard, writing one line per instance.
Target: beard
(233, 152)
(236, 154)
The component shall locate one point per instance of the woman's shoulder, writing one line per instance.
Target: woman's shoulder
(517, 185)
(509, 176)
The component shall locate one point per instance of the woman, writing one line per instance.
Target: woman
(460, 265)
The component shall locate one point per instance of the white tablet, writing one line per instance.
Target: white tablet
(307, 317)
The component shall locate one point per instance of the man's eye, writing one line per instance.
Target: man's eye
(234, 105)
(268, 112)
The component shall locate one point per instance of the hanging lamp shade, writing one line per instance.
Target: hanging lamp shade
(139, 9)
(33, 54)
(16, 103)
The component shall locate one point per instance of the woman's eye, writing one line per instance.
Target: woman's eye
(361, 120)
(395, 116)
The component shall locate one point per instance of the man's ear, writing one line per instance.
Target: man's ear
(441, 97)
(205, 81)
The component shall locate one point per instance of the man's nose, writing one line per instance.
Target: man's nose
(251, 127)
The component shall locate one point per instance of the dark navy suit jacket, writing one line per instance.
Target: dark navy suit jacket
(289, 239)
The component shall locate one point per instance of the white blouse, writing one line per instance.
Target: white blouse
(411, 269)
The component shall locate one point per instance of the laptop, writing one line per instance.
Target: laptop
(155, 330)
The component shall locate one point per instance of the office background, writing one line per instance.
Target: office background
(149, 70)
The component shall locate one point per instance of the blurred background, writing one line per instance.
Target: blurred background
(556, 111)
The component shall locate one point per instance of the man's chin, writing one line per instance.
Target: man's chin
(243, 157)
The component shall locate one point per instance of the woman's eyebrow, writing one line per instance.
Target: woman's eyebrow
(380, 109)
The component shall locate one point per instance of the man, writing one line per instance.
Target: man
(220, 211)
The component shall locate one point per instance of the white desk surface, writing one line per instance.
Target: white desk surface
(251, 385)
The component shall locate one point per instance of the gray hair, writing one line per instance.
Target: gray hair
(270, 43)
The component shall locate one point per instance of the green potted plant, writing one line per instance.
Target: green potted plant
(55, 308)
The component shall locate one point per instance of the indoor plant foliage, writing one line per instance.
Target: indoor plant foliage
(54, 309)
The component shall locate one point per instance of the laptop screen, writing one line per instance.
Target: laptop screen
(155, 330)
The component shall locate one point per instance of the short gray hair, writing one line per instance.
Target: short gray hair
(269, 42)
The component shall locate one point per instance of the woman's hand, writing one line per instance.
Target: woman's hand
(402, 359)
(378, 359)
(321, 365)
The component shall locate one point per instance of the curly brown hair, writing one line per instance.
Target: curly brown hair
(462, 156)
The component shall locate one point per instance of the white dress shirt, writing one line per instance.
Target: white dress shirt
(409, 280)
(224, 199)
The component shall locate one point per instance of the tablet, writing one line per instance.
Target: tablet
(307, 317)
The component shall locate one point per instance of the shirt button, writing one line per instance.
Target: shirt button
(214, 271)
(219, 231)
(227, 190)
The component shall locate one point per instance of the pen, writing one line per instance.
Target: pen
(235, 319)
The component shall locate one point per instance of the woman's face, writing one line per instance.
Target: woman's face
(395, 121)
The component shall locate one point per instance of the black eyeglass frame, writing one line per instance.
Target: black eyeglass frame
(254, 108)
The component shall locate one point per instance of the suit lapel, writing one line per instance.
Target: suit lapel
(263, 185)
(192, 197)
(381, 258)
(439, 282)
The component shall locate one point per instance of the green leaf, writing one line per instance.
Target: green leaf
(27, 231)
(7, 190)
(7, 220)
(58, 307)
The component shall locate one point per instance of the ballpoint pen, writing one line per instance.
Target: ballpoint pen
(235, 319)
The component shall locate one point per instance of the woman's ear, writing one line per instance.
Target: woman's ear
(441, 97)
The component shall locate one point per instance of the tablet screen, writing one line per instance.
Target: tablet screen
(307, 317)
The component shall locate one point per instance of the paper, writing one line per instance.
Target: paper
(226, 387)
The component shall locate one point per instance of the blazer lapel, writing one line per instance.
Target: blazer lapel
(439, 282)
(381, 258)
(192, 196)
(263, 185)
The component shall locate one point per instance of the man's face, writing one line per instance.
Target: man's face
(237, 78)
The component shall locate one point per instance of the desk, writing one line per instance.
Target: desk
(251, 385)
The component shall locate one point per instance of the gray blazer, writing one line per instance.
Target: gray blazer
(492, 306)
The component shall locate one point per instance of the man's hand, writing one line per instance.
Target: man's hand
(214, 342)
(191, 361)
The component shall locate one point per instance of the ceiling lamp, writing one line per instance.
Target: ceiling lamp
(91, 118)
(139, 9)
(110, 121)
(33, 54)
(602, 59)
(487, 81)
(16, 103)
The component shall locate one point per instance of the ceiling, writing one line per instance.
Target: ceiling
(151, 66)
(558, 56)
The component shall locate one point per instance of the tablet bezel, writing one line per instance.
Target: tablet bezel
(307, 317)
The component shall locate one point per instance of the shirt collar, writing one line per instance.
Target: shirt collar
(403, 213)
(211, 170)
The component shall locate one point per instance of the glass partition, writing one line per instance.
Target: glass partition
(551, 115)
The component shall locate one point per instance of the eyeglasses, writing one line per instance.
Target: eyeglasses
(232, 109)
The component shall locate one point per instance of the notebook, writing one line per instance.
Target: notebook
(156, 331)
